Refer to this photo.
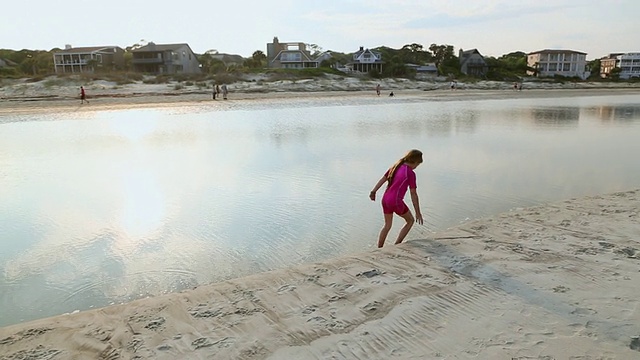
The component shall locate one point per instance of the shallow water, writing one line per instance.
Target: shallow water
(102, 207)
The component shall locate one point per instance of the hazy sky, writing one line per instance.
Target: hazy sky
(494, 27)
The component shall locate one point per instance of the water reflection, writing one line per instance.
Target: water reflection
(124, 204)
(556, 116)
(619, 113)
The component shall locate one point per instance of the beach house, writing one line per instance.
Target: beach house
(549, 63)
(165, 59)
(292, 55)
(628, 63)
(88, 59)
(365, 60)
(472, 63)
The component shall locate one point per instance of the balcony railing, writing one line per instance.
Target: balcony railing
(147, 61)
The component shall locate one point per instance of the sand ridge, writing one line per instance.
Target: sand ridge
(548, 282)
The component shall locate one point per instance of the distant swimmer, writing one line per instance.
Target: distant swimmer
(399, 178)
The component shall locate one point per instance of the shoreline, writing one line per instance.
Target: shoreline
(100, 102)
(551, 281)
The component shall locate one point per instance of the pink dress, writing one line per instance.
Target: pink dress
(393, 198)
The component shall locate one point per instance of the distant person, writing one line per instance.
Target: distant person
(515, 86)
(391, 94)
(225, 91)
(83, 95)
(399, 178)
(214, 92)
(378, 89)
(218, 90)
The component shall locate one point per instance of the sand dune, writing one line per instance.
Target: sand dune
(550, 282)
(63, 94)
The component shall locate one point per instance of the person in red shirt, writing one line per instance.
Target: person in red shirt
(399, 178)
(83, 96)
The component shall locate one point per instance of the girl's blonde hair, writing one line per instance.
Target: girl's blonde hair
(413, 157)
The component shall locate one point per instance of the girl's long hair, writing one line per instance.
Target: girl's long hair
(413, 156)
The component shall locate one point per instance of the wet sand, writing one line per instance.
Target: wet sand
(548, 282)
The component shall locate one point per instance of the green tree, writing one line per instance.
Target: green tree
(415, 54)
(594, 67)
(441, 53)
(314, 49)
(615, 73)
(259, 59)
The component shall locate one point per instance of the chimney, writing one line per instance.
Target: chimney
(67, 47)
(361, 48)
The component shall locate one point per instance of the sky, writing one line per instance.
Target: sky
(494, 27)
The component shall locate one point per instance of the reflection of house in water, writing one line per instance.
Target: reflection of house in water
(619, 113)
(560, 116)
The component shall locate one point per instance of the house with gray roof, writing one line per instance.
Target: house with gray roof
(88, 59)
(290, 55)
(365, 60)
(472, 63)
(165, 59)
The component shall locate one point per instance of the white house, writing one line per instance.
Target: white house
(629, 65)
(558, 62)
(365, 60)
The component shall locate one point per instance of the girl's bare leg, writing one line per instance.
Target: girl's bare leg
(388, 221)
(408, 217)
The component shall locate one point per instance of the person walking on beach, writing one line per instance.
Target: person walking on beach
(399, 178)
(378, 89)
(218, 90)
(214, 91)
(225, 91)
(83, 96)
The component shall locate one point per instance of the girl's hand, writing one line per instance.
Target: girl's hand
(419, 219)
(372, 196)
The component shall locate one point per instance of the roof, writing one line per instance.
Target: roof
(359, 52)
(469, 52)
(7, 62)
(304, 53)
(152, 47)
(228, 58)
(87, 49)
(556, 51)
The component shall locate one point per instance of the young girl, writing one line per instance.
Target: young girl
(399, 177)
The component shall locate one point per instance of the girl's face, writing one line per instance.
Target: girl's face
(413, 165)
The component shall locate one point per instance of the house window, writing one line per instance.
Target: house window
(566, 66)
(184, 54)
(291, 57)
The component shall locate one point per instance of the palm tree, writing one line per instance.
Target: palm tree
(259, 58)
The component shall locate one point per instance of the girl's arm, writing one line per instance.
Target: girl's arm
(416, 205)
(372, 194)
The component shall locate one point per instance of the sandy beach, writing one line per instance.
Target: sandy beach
(550, 282)
(41, 96)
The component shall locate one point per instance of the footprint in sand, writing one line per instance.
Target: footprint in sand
(285, 288)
